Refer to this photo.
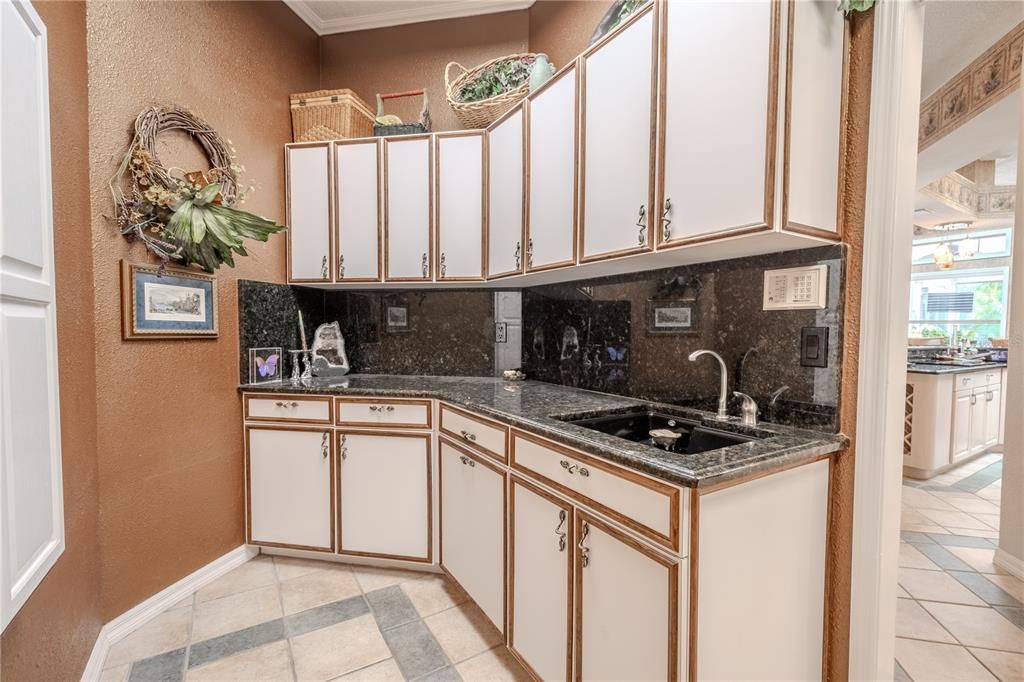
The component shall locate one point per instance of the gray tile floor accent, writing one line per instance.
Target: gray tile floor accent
(961, 541)
(916, 537)
(900, 675)
(980, 479)
(985, 588)
(945, 559)
(167, 667)
(391, 607)
(1013, 614)
(448, 674)
(232, 643)
(416, 651)
(328, 614)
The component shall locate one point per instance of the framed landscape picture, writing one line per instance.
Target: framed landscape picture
(396, 316)
(672, 317)
(173, 304)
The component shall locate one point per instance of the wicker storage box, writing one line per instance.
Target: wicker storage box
(329, 115)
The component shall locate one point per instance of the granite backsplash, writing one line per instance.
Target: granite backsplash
(445, 332)
(627, 335)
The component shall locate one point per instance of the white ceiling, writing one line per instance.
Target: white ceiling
(340, 16)
(958, 31)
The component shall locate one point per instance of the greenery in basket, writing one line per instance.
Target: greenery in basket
(496, 79)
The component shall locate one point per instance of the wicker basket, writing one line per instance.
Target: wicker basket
(484, 112)
(329, 115)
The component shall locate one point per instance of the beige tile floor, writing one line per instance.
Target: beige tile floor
(279, 618)
(959, 617)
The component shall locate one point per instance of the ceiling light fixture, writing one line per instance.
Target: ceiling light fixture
(943, 256)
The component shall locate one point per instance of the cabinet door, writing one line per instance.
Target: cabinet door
(385, 495)
(627, 607)
(963, 403)
(307, 167)
(408, 205)
(505, 209)
(719, 131)
(993, 422)
(291, 487)
(540, 587)
(979, 420)
(357, 182)
(813, 125)
(473, 527)
(551, 160)
(460, 206)
(616, 144)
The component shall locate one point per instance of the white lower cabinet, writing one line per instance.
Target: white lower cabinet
(627, 606)
(385, 495)
(963, 408)
(540, 588)
(472, 522)
(290, 476)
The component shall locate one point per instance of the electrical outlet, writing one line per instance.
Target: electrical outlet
(501, 332)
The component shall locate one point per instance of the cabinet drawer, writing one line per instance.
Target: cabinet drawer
(647, 506)
(994, 377)
(965, 382)
(485, 435)
(288, 408)
(414, 414)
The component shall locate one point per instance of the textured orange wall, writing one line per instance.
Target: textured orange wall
(411, 57)
(562, 28)
(169, 427)
(53, 634)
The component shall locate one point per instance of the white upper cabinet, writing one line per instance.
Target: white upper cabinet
(617, 141)
(505, 207)
(814, 103)
(459, 159)
(357, 192)
(309, 212)
(551, 160)
(31, 489)
(408, 202)
(718, 129)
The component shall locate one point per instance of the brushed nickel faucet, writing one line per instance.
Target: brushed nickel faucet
(723, 391)
(776, 394)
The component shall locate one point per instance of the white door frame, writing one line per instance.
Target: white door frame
(891, 172)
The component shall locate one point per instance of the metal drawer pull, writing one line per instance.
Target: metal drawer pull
(424, 267)
(571, 468)
(974, 399)
(518, 253)
(325, 448)
(990, 396)
(467, 435)
(666, 229)
(341, 266)
(584, 472)
(584, 550)
(467, 460)
(529, 253)
(323, 268)
(642, 224)
(283, 404)
(558, 530)
(344, 450)
(382, 408)
(444, 267)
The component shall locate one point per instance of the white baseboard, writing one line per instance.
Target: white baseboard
(127, 622)
(1008, 562)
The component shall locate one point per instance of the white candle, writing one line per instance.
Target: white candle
(302, 332)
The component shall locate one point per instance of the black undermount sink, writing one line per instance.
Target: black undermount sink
(636, 426)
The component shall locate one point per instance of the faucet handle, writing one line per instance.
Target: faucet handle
(748, 410)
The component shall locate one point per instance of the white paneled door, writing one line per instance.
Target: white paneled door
(357, 183)
(408, 204)
(31, 491)
(460, 205)
(309, 212)
(505, 210)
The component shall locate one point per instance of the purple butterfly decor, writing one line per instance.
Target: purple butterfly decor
(267, 367)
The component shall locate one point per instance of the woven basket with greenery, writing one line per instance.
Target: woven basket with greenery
(482, 94)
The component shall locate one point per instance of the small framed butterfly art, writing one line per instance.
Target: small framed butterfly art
(265, 365)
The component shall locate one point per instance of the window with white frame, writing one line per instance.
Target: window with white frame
(972, 301)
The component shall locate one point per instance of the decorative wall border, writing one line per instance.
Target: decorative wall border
(995, 201)
(981, 84)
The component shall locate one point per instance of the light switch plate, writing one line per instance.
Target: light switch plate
(803, 288)
(501, 332)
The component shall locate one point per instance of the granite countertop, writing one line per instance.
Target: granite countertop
(541, 408)
(931, 368)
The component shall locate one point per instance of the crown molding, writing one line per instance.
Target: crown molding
(398, 17)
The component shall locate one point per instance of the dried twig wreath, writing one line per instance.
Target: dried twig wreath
(183, 216)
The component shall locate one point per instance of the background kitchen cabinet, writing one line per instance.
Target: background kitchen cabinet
(408, 204)
(816, 65)
(505, 206)
(473, 527)
(551, 164)
(307, 168)
(627, 606)
(964, 405)
(357, 193)
(540, 588)
(718, 136)
(385, 495)
(290, 475)
(617, 142)
(459, 174)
